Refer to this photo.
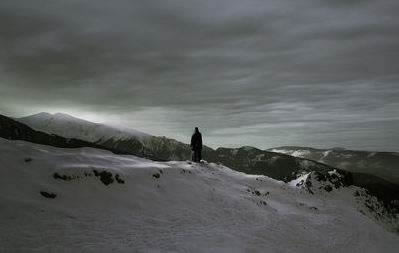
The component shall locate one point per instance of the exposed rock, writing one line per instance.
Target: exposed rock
(56, 175)
(105, 176)
(328, 188)
(119, 180)
(48, 195)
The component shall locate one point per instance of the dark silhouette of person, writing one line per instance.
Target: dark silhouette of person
(196, 145)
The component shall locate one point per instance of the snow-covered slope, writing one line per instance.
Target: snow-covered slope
(71, 127)
(89, 200)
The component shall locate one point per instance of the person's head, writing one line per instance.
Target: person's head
(196, 129)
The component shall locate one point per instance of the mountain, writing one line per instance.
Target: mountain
(71, 127)
(384, 165)
(282, 167)
(15, 130)
(245, 159)
(91, 200)
(286, 168)
(125, 140)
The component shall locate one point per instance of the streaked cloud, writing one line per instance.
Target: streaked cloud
(263, 73)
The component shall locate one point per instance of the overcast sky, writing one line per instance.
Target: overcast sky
(264, 73)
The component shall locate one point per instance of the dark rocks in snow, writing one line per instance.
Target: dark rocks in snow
(320, 177)
(105, 176)
(48, 195)
(257, 192)
(56, 175)
(379, 210)
(325, 181)
(156, 175)
(328, 188)
(119, 180)
(310, 207)
(183, 171)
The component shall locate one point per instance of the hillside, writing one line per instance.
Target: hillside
(94, 201)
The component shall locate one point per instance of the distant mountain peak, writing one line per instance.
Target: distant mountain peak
(39, 115)
(64, 115)
(69, 126)
(58, 115)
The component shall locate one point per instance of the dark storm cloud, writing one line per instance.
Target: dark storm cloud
(262, 73)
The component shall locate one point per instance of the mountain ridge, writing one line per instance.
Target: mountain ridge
(382, 164)
(246, 159)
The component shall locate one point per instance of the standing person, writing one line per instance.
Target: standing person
(196, 145)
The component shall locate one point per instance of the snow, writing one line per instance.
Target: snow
(282, 151)
(300, 180)
(326, 153)
(188, 208)
(70, 127)
(300, 153)
(371, 154)
(296, 153)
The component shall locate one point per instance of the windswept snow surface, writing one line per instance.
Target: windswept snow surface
(167, 207)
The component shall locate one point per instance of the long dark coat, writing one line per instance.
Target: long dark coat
(196, 141)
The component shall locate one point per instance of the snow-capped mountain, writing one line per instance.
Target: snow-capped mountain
(71, 127)
(90, 200)
(381, 164)
(124, 140)
(15, 130)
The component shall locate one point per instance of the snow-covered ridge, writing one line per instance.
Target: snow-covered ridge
(71, 127)
(94, 201)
